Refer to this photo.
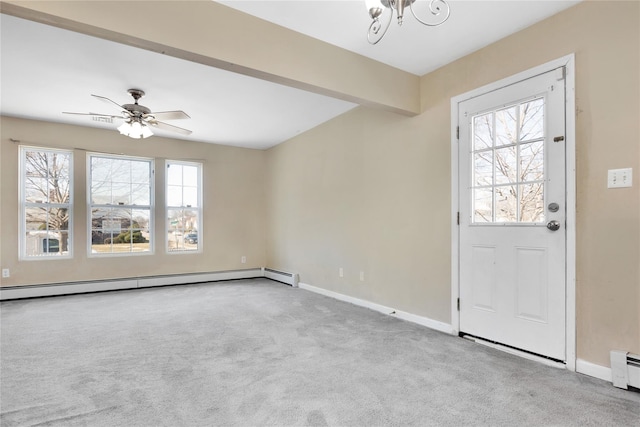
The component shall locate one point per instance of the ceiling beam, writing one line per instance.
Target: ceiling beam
(212, 34)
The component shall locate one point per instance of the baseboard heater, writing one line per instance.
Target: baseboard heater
(625, 369)
(53, 289)
(281, 276)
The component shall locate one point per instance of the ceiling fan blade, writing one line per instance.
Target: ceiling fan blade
(170, 115)
(95, 114)
(109, 101)
(167, 126)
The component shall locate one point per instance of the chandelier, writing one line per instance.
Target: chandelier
(439, 11)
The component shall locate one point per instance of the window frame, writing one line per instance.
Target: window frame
(91, 205)
(199, 209)
(518, 145)
(22, 226)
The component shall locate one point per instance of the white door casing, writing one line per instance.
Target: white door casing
(514, 276)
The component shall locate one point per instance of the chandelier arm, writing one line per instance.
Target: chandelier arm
(376, 26)
(437, 8)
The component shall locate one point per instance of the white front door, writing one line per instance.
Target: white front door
(512, 215)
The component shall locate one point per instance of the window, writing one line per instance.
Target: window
(508, 164)
(184, 206)
(120, 204)
(46, 203)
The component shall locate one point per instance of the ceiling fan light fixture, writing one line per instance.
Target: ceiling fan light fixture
(124, 128)
(439, 14)
(146, 132)
(138, 119)
(134, 129)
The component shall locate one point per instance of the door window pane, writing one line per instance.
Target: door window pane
(506, 126)
(506, 204)
(532, 122)
(508, 164)
(532, 161)
(483, 205)
(483, 132)
(483, 168)
(531, 202)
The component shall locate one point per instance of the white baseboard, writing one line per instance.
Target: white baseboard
(281, 276)
(184, 279)
(409, 317)
(593, 370)
(33, 291)
(425, 321)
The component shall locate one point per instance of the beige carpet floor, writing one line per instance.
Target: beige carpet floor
(259, 353)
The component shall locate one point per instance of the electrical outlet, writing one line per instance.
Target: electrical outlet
(618, 178)
(362, 276)
(341, 272)
(243, 259)
(6, 273)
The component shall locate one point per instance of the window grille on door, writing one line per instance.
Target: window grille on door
(507, 155)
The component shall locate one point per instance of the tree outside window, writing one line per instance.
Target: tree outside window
(46, 195)
(508, 164)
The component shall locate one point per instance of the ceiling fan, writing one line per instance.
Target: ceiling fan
(138, 118)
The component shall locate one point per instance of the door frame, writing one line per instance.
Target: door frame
(568, 62)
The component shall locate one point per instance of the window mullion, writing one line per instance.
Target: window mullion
(494, 204)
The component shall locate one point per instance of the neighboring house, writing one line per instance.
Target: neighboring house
(42, 242)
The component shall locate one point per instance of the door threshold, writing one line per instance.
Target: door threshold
(554, 363)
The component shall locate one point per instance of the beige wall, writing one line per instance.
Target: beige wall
(233, 193)
(370, 191)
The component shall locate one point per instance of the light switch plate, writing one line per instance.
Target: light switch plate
(619, 178)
